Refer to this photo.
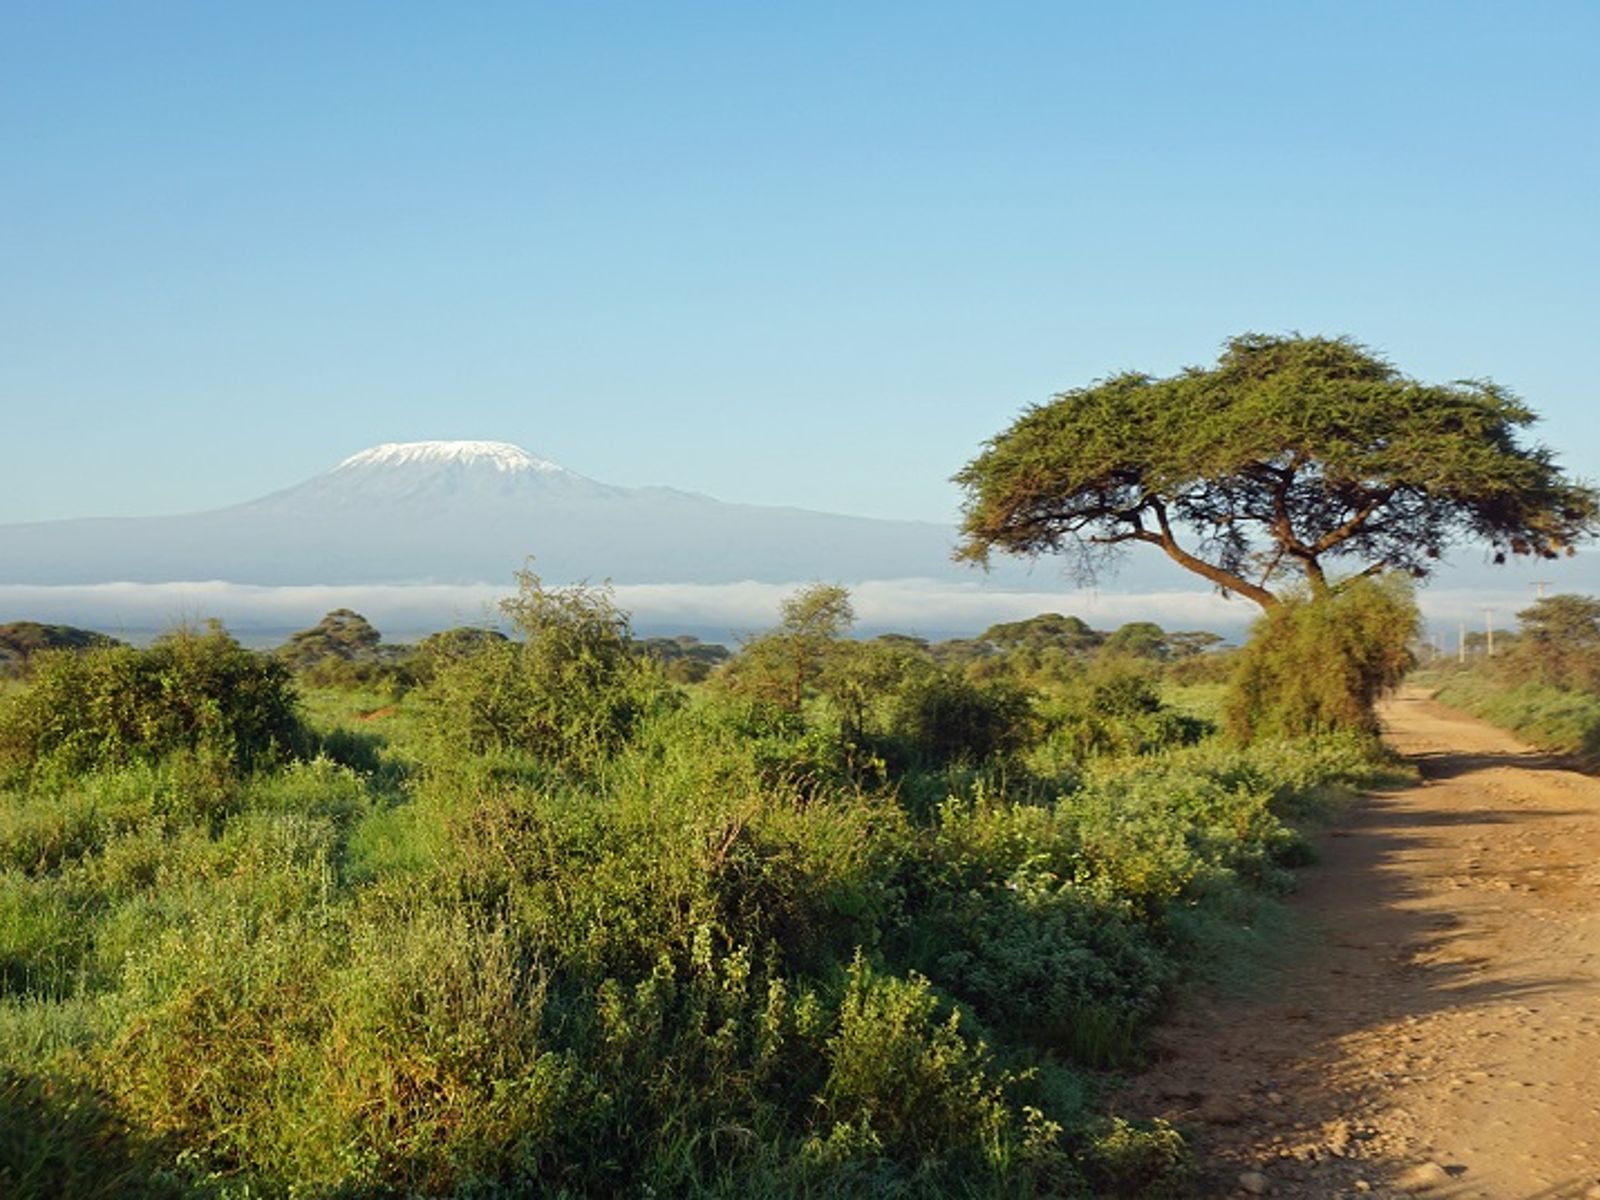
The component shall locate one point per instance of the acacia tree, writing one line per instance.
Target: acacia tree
(1289, 456)
(784, 664)
(1560, 641)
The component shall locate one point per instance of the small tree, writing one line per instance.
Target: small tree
(20, 640)
(570, 689)
(342, 633)
(1047, 631)
(1191, 643)
(1138, 639)
(1560, 642)
(785, 665)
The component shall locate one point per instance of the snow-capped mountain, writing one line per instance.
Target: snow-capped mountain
(471, 511)
(445, 475)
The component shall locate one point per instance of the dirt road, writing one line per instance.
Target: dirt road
(1438, 1032)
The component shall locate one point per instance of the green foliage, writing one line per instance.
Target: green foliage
(904, 1084)
(1319, 662)
(1563, 719)
(1291, 453)
(1113, 709)
(684, 659)
(196, 692)
(21, 640)
(62, 1139)
(866, 947)
(784, 666)
(1559, 644)
(450, 644)
(1544, 684)
(939, 717)
(342, 634)
(1047, 631)
(1139, 639)
(569, 692)
(1149, 1161)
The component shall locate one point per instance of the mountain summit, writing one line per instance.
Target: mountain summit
(499, 456)
(427, 478)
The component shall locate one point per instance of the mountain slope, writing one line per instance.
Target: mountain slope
(459, 512)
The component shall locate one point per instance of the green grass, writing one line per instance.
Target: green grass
(1559, 719)
(1203, 701)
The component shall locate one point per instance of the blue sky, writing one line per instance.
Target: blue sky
(807, 254)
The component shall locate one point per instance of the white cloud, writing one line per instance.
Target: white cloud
(911, 605)
(724, 610)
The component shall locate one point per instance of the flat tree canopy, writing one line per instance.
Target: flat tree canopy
(1290, 454)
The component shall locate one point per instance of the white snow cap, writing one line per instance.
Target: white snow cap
(502, 456)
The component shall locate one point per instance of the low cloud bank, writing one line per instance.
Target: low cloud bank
(927, 607)
(720, 611)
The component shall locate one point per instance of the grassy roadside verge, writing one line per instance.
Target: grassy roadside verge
(1565, 721)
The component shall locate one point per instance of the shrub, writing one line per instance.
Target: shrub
(190, 691)
(1319, 663)
(1114, 709)
(1147, 1161)
(940, 716)
(570, 692)
(903, 1082)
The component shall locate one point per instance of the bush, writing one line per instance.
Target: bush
(1112, 710)
(1319, 663)
(940, 716)
(197, 692)
(903, 1083)
(570, 692)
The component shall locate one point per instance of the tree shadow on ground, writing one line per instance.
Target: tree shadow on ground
(1257, 1066)
(1439, 765)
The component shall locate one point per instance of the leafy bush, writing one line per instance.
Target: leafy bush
(1147, 1161)
(107, 706)
(570, 692)
(1319, 663)
(1112, 710)
(941, 716)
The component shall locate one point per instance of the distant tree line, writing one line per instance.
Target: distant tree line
(345, 650)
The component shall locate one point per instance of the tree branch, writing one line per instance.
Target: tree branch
(1226, 580)
(1375, 501)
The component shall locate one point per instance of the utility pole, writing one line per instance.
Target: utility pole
(1461, 643)
(1488, 628)
(1539, 586)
